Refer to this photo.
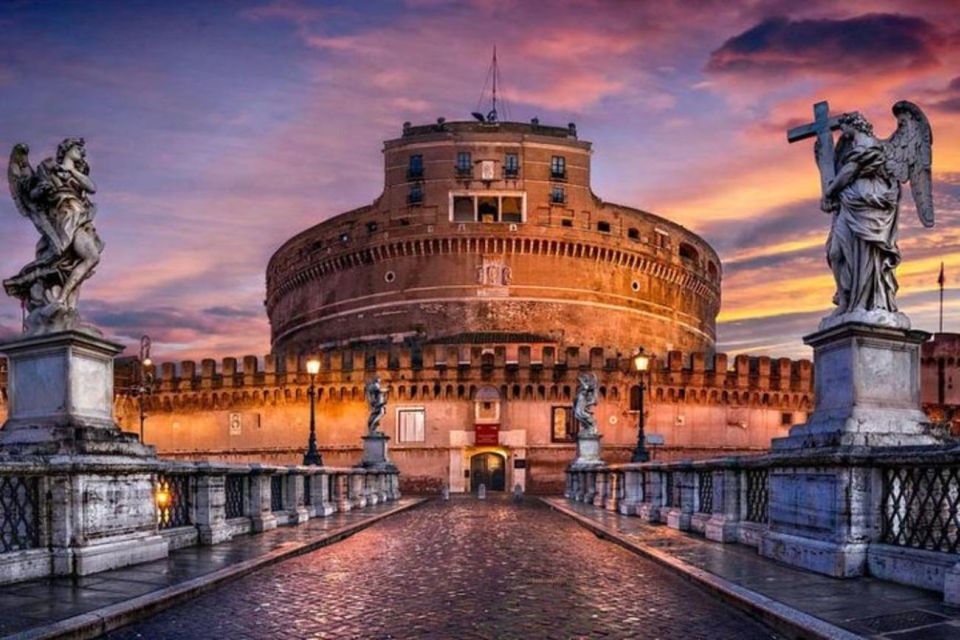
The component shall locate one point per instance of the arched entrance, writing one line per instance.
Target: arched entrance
(488, 469)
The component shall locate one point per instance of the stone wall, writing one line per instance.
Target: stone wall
(397, 270)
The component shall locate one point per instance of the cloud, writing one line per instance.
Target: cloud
(947, 99)
(231, 312)
(871, 42)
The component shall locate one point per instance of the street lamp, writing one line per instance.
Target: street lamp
(312, 456)
(144, 378)
(641, 362)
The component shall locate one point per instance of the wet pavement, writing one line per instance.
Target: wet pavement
(457, 570)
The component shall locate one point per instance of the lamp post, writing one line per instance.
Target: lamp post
(144, 378)
(312, 456)
(641, 362)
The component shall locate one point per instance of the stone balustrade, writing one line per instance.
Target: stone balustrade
(45, 506)
(903, 506)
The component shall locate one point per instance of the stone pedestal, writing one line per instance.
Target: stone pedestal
(61, 398)
(100, 510)
(588, 451)
(375, 452)
(822, 508)
(867, 387)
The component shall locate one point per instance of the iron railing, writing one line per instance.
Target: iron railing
(235, 503)
(920, 507)
(276, 493)
(669, 497)
(705, 491)
(758, 496)
(173, 501)
(19, 513)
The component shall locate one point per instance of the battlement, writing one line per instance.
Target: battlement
(444, 371)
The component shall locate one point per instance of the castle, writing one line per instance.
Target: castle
(483, 279)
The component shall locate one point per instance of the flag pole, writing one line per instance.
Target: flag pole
(940, 281)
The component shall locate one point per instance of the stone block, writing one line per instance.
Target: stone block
(839, 560)
(721, 528)
(914, 567)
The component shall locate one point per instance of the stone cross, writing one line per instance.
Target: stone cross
(822, 127)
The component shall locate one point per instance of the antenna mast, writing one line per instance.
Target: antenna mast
(492, 116)
(493, 75)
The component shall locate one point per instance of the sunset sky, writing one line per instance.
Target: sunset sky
(218, 129)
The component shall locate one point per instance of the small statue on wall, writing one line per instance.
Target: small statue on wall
(584, 403)
(377, 401)
(56, 198)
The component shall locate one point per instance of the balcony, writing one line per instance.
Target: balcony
(511, 173)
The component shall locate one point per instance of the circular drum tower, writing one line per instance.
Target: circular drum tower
(491, 229)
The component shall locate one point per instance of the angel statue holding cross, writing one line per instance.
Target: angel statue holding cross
(861, 190)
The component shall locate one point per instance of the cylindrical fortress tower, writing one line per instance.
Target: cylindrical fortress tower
(491, 229)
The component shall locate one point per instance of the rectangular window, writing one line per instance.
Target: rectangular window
(488, 209)
(410, 425)
(464, 164)
(558, 167)
(416, 194)
(603, 227)
(511, 165)
(566, 222)
(511, 209)
(463, 209)
(558, 195)
(564, 428)
(415, 169)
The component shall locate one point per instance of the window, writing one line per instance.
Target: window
(786, 419)
(463, 209)
(566, 222)
(662, 239)
(558, 195)
(344, 237)
(511, 165)
(558, 167)
(410, 425)
(689, 252)
(416, 194)
(633, 234)
(603, 227)
(415, 168)
(371, 227)
(511, 209)
(564, 427)
(487, 207)
(464, 164)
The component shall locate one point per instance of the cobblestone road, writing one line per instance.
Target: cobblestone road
(458, 570)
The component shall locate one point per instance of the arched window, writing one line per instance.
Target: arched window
(689, 252)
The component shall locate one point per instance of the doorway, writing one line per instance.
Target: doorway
(488, 469)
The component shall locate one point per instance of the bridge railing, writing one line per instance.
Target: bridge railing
(911, 527)
(190, 503)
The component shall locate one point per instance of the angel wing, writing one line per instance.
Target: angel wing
(909, 156)
(22, 180)
(20, 177)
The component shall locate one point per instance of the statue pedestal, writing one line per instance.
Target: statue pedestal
(375, 452)
(60, 387)
(100, 510)
(867, 387)
(588, 452)
(822, 505)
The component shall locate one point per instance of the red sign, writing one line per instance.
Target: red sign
(487, 435)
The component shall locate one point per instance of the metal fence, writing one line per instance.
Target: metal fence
(758, 496)
(235, 503)
(276, 493)
(19, 513)
(173, 501)
(705, 491)
(920, 507)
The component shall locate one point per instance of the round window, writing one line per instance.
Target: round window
(390, 276)
(635, 285)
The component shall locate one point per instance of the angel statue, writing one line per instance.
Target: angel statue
(584, 402)
(377, 401)
(861, 189)
(55, 197)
